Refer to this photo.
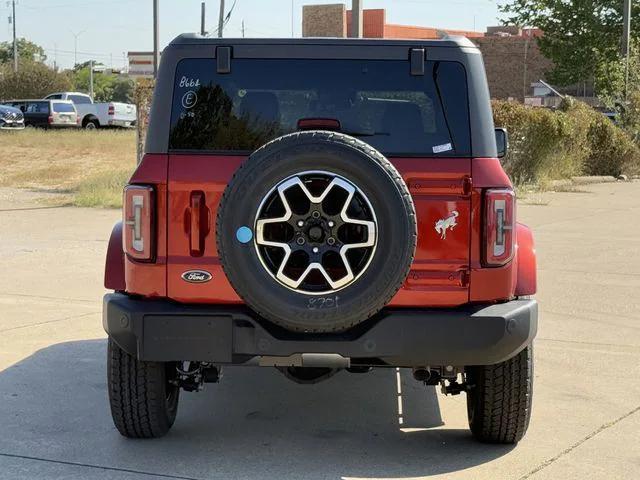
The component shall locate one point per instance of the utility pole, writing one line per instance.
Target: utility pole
(156, 38)
(202, 13)
(626, 43)
(242, 28)
(15, 42)
(221, 19)
(525, 65)
(356, 19)
(292, 18)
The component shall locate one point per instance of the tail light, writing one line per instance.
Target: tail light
(50, 119)
(138, 218)
(318, 123)
(112, 110)
(499, 208)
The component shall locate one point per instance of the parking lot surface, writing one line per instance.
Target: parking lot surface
(55, 422)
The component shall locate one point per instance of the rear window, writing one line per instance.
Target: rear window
(79, 99)
(376, 100)
(63, 107)
(37, 107)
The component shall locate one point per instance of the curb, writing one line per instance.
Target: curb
(590, 180)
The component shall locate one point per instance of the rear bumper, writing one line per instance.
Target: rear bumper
(122, 123)
(160, 330)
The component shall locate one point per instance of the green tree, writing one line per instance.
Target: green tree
(123, 90)
(33, 80)
(81, 66)
(27, 51)
(582, 37)
(106, 86)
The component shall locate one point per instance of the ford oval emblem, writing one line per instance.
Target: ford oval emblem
(196, 276)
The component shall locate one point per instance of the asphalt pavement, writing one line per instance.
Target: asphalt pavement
(54, 415)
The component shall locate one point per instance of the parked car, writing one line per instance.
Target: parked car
(321, 205)
(47, 113)
(11, 118)
(96, 115)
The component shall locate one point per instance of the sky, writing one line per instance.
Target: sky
(107, 29)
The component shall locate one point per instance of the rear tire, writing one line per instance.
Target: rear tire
(143, 401)
(91, 125)
(499, 399)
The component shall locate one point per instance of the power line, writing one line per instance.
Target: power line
(84, 54)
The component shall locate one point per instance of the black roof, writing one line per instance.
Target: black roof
(197, 39)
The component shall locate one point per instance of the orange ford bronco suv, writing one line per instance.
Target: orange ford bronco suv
(320, 206)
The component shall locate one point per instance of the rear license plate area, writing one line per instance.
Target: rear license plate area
(195, 338)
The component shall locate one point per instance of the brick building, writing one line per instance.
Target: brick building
(512, 57)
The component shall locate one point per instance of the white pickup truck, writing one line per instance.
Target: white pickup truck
(96, 115)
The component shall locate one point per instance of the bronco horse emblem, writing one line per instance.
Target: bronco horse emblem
(444, 224)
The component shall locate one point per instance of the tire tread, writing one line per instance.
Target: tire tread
(137, 395)
(246, 170)
(501, 399)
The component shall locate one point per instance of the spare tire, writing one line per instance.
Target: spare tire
(316, 231)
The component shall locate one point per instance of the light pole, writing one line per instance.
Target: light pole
(75, 45)
(15, 42)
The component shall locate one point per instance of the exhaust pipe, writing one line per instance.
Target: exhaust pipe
(422, 374)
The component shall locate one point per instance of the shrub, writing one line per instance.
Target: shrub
(574, 140)
(631, 116)
(33, 80)
(611, 150)
(543, 144)
(142, 96)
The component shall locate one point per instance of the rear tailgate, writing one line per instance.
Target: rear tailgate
(120, 113)
(123, 111)
(440, 189)
(412, 108)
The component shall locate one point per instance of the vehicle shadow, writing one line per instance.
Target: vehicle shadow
(254, 424)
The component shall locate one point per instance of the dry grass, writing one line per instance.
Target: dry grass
(88, 167)
(103, 190)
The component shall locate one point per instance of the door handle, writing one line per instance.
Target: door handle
(199, 224)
